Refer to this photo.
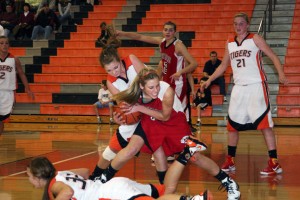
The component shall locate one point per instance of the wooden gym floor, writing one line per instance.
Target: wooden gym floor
(75, 145)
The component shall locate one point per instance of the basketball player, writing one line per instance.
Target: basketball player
(249, 107)
(176, 61)
(121, 73)
(163, 125)
(73, 184)
(9, 66)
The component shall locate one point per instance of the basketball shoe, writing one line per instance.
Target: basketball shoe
(272, 168)
(228, 165)
(231, 187)
(193, 144)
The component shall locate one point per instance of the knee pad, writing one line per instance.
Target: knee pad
(108, 154)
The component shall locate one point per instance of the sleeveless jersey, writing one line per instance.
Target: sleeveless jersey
(173, 63)
(246, 61)
(8, 73)
(117, 188)
(122, 84)
(165, 133)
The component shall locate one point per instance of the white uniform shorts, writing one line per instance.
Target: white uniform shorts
(249, 108)
(6, 101)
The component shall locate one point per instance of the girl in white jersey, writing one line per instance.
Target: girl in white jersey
(249, 107)
(121, 73)
(9, 66)
(73, 184)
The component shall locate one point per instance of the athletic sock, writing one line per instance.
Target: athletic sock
(161, 176)
(221, 175)
(231, 150)
(273, 153)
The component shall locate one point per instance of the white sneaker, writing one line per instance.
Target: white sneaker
(231, 187)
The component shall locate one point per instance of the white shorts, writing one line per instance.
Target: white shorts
(249, 108)
(6, 101)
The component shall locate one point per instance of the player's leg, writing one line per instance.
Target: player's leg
(161, 164)
(273, 165)
(106, 156)
(213, 169)
(233, 138)
(135, 144)
(175, 170)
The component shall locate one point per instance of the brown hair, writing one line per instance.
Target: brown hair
(42, 168)
(109, 51)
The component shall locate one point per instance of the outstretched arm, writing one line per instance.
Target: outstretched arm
(139, 37)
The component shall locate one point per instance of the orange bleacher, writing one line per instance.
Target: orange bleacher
(77, 61)
(288, 99)
(17, 51)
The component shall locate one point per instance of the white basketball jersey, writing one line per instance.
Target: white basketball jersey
(117, 188)
(246, 61)
(121, 84)
(8, 73)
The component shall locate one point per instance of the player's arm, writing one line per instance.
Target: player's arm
(191, 83)
(112, 89)
(189, 59)
(167, 106)
(137, 63)
(221, 69)
(23, 78)
(264, 47)
(191, 63)
(139, 37)
(159, 69)
(61, 191)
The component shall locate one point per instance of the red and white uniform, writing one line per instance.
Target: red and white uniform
(249, 104)
(117, 188)
(173, 63)
(165, 133)
(7, 84)
(122, 84)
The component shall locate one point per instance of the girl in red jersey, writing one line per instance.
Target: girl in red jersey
(176, 62)
(162, 126)
(121, 73)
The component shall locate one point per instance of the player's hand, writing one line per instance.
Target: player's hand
(175, 76)
(118, 119)
(283, 79)
(30, 94)
(205, 85)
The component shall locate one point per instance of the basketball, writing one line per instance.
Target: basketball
(129, 118)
